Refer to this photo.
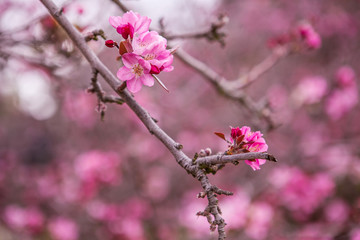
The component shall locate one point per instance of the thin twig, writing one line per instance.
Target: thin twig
(221, 158)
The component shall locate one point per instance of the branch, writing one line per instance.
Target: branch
(120, 5)
(175, 148)
(225, 87)
(221, 158)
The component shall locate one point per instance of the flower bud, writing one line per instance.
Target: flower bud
(110, 43)
(208, 151)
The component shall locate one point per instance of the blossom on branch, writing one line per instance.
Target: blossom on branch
(243, 141)
(130, 23)
(143, 52)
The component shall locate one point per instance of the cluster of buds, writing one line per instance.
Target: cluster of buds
(303, 35)
(143, 52)
(243, 141)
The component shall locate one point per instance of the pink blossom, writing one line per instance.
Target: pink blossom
(259, 220)
(129, 24)
(15, 217)
(234, 209)
(355, 234)
(310, 36)
(136, 71)
(340, 102)
(152, 47)
(31, 219)
(246, 141)
(337, 211)
(62, 228)
(143, 53)
(310, 90)
(97, 166)
(302, 193)
(345, 77)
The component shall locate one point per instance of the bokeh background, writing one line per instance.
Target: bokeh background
(65, 174)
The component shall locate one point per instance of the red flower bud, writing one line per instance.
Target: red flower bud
(110, 43)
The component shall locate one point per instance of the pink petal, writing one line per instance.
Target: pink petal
(147, 80)
(145, 64)
(115, 21)
(253, 164)
(125, 74)
(134, 85)
(142, 25)
(130, 17)
(129, 60)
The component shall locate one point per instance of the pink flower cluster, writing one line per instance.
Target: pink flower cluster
(243, 140)
(302, 193)
(345, 97)
(304, 34)
(29, 219)
(143, 52)
(310, 36)
(246, 141)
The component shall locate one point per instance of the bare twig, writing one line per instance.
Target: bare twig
(94, 35)
(221, 158)
(212, 34)
(96, 88)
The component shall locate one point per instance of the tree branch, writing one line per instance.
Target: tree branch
(183, 160)
(222, 158)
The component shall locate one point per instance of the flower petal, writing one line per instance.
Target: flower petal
(147, 80)
(134, 85)
(125, 74)
(129, 60)
(115, 21)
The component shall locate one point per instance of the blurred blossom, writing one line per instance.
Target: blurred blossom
(127, 228)
(340, 102)
(97, 166)
(102, 211)
(337, 211)
(309, 35)
(197, 225)
(310, 90)
(355, 234)
(312, 232)
(336, 159)
(312, 142)
(336, 22)
(345, 77)
(157, 183)
(277, 97)
(80, 108)
(260, 217)
(62, 228)
(302, 194)
(345, 97)
(30, 219)
(234, 209)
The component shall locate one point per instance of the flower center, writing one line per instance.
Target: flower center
(138, 70)
(149, 56)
